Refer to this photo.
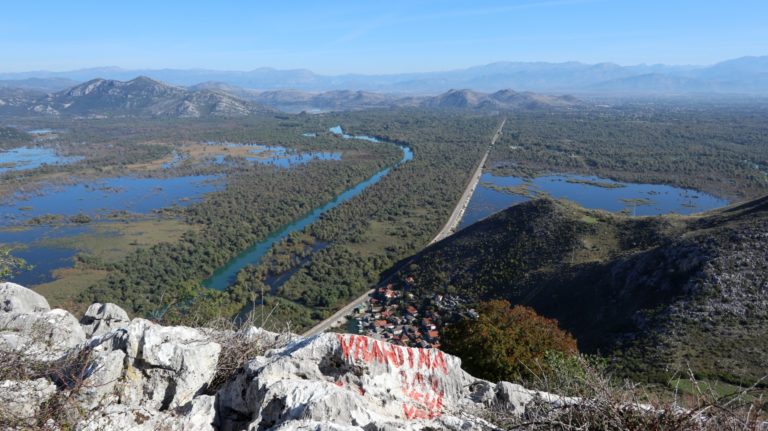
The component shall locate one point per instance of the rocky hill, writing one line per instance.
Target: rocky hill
(139, 97)
(107, 372)
(146, 97)
(654, 293)
(343, 100)
(502, 99)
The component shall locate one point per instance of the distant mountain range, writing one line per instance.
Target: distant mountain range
(741, 75)
(146, 97)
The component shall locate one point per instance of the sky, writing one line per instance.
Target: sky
(372, 37)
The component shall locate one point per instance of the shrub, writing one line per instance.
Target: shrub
(505, 342)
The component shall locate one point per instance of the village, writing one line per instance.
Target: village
(398, 316)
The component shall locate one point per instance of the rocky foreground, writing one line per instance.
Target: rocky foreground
(106, 372)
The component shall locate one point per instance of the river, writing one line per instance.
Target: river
(224, 276)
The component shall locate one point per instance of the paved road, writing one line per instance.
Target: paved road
(461, 206)
(337, 316)
(447, 230)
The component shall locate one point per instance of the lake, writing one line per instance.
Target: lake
(104, 196)
(25, 158)
(101, 197)
(495, 193)
(94, 198)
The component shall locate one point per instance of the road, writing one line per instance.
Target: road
(447, 230)
(461, 206)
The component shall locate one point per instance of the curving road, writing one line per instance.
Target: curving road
(447, 230)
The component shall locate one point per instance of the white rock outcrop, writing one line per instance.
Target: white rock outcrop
(144, 376)
(100, 319)
(46, 335)
(167, 366)
(353, 382)
(20, 401)
(18, 299)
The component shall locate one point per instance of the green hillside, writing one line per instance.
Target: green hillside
(657, 294)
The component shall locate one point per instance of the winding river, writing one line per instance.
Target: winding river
(225, 276)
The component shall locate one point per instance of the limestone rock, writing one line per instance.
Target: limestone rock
(170, 364)
(516, 398)
(21, 400)
(353, 382)
(102, 318)
(197, 415)
(121, 417)
(47, 335)
(144, 376)
(19, 299)
(106, 370)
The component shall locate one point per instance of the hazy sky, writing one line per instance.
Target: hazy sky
(382, 36)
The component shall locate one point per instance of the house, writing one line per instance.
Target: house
(412, 310)
(380, 323)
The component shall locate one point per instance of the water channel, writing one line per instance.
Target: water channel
(225, 275)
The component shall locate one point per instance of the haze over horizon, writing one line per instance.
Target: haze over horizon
(352, 37)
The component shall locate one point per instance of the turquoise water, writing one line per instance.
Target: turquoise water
(25, 158)
(225, 275)
(657, 199)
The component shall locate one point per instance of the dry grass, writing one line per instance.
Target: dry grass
(608, 404)
(69, 374)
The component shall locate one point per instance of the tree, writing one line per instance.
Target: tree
(506, 342)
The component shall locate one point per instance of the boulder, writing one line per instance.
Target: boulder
(197, 415)
(166, 366)
(350, 382)
(515, 398)
(20, 401)
(116, 417)
(18, 299)
(102, 318)
(44, 335)
(105, 371)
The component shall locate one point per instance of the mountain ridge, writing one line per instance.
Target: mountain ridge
(143, 96)
(139, 97)
(729, 76)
